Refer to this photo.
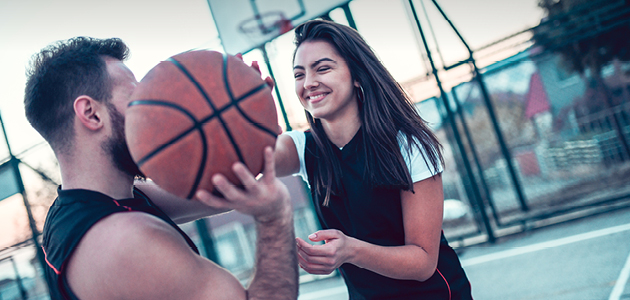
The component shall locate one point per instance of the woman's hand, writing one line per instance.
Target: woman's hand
(268, 80)
(324, 259)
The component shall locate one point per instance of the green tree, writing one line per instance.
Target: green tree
(588, 35)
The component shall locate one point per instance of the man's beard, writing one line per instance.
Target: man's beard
(117, 147)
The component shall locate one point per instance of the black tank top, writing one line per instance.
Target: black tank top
(72, 214)
(374, 214)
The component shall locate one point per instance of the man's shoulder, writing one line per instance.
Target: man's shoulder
(121, 248)
(122, 230)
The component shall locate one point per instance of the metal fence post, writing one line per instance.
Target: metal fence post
(451, 119)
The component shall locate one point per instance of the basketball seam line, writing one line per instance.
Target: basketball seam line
(173, 140)
(235, 102)
(209, 101)
(196, 125)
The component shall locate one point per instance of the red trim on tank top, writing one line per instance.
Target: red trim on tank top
(447, 285)
(118, 204)
(49, 264)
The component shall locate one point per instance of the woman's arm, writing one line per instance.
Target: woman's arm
(416, 260)
(287, 159)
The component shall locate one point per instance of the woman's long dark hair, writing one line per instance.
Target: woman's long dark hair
(385, 110)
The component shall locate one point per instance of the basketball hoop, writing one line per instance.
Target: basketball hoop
(266, 26)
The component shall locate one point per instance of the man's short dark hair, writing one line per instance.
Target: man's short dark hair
(59, 74)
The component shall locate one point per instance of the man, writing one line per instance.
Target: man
(106, 238)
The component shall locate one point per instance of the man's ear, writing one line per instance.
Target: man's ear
(89, 112)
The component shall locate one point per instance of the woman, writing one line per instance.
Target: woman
(374, 169)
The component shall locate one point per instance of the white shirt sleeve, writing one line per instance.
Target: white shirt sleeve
(299, 139)
(417, 161)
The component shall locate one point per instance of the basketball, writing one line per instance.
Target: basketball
(195, 115)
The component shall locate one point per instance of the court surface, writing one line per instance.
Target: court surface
(585, 259)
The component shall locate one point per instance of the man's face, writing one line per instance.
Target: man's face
(117, 147)
(123, 84)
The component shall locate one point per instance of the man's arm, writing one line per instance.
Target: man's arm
(178, 209)
(267, 200)
(133, 255)
(276, 274)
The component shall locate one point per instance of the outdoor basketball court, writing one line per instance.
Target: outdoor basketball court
(579, 260)
(582, 259)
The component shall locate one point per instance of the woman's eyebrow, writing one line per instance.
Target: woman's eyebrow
(314, 64)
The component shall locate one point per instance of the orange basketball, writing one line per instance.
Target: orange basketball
(196, 114)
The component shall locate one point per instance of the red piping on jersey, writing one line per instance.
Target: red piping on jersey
(49, 264)
(118, 204)
(447, 285)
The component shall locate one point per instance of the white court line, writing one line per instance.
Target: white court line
(621, 281)
(544, 245)
(324, 293)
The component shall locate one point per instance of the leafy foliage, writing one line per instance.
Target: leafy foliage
(588, 34)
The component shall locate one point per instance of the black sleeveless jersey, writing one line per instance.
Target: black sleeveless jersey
(374, 214)
(71, 215)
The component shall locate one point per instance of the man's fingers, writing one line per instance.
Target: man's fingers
(206, 198)
(229, 191)
(270, 167)
(244, 175)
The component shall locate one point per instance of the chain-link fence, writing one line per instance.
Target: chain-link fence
(565, 150)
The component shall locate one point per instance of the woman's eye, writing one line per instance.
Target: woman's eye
(298, 75)
(322, 69)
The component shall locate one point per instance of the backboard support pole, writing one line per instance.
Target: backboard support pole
(263, 49)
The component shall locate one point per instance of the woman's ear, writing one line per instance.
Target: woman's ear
(356, 84)
(89, 112)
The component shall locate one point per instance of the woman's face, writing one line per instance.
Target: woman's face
(323, 82)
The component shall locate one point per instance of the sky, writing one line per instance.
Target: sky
(155, 30)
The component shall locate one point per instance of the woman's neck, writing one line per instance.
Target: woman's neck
(340, 132)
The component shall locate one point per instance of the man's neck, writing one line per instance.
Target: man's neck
(97, 174)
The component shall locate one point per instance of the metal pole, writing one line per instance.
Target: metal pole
(206, 240)
(31, 221)
(18, 279)
(349, 17)
(269, 69)
(473, 150)
(495, 124)
(451, 118)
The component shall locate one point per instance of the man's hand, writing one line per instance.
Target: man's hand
(265, 199)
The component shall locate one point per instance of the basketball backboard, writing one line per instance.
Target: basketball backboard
(247, 24)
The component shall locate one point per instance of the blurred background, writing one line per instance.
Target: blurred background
(530, 99)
